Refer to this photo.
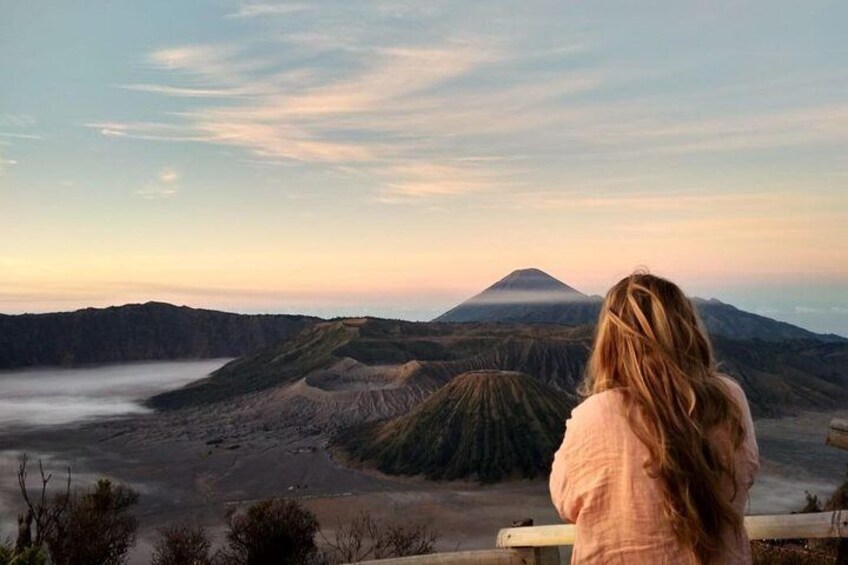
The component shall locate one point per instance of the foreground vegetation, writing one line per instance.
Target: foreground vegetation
(95, 526)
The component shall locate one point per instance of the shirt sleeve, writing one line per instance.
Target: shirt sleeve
(750, 449)
(563, 478)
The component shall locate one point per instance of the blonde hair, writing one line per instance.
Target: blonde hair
(651, 346)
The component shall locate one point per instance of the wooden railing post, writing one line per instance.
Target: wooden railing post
(837, 435)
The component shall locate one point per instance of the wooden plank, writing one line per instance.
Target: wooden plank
(839, 424)
(483, 557)
(837, 435)
(537, 536)
(789, 526)
(804, 526)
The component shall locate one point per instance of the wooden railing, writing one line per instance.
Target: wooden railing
(837, 435)
(537, 545)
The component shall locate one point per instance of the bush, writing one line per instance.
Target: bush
(812, 504)
(26, 556)
(182, 545)
(367, 538)
(271, 532)
(94, 526)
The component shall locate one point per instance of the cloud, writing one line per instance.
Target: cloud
(165, 187)
(17, 120)
(821, 310)
(155, 192)
(20, 135)
(258, 9)
(339, 89)
(169, 176)
(186, 92)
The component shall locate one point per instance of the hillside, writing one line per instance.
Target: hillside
(136, 332)
(530, 296)
(359, 360)
(482, 425)
(347, 371)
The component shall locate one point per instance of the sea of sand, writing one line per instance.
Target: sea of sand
(182, 476)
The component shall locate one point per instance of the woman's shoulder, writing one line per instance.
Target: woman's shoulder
(732, 386)
(599, 406)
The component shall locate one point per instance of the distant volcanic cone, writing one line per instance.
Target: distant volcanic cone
(483, 425)
(527, 296)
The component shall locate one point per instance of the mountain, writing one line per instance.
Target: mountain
(482, 425)
(527, 296)
(368, 368)
(137, 332)
(531, 296)
(726, 320)
(481, 401)
(343, 372)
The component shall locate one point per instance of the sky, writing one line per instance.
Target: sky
(394, 158)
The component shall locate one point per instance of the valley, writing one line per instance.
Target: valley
(452, 423)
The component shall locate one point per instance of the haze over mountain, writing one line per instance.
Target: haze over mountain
(137, 332)
(531, 296)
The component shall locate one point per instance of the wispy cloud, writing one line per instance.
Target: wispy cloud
(164, 187)
(412, 112)
(385, 116)
(156, 192)
(17, 120)
(183, 92)
(4, 163)
(169, 175)
(258, 9)
(15, 135)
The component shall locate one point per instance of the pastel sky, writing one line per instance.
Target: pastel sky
(393, 158)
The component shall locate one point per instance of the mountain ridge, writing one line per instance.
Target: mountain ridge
(519, 298)
(396, 364)
(137, 332)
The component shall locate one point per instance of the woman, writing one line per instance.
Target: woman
(656, 463)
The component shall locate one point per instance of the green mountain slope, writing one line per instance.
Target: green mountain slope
(482, 425)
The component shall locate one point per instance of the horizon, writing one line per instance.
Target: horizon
(319, 313)
(394, 159)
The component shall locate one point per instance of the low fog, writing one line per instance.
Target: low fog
(51, 396)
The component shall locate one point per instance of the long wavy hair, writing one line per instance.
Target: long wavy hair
(651, 346)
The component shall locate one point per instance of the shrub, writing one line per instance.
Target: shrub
(26, 556)
(93, 526)
(367, 538)
(271, 532)
(182, 545)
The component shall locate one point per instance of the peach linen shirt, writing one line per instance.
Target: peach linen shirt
(598, 483)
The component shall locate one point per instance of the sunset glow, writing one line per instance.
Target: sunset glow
(395, 158)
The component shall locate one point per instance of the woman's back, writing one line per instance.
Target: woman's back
(599, 482)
